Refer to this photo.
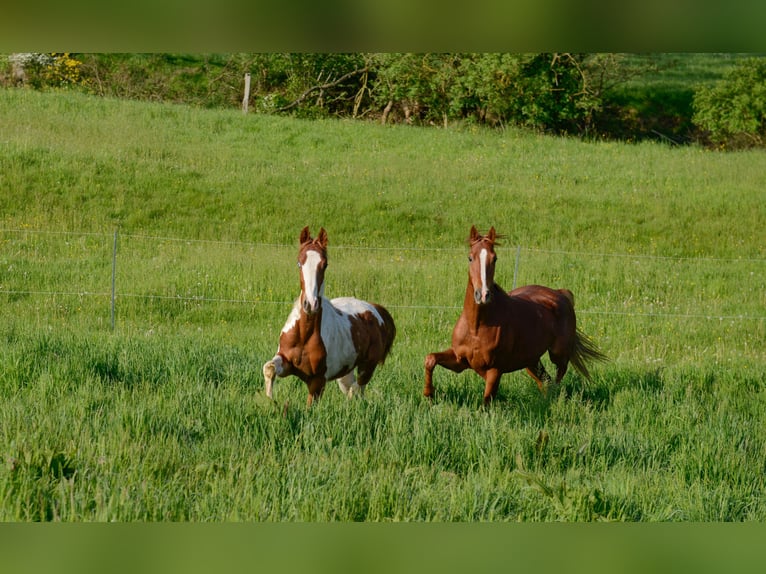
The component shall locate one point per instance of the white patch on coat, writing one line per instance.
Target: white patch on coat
(351, 306)
(336, 336)
(293, 317)
(336, 331)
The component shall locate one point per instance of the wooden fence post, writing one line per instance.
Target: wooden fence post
(114, 274)
(246, 99)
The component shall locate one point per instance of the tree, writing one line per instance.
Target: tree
(541, 91)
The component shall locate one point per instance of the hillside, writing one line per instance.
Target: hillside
(196, 215)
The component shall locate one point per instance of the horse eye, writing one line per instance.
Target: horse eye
(299, 265)
(470, 259)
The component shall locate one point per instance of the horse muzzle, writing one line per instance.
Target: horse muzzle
(310, 307)
(481, 296)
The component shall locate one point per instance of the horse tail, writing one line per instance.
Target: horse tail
(585, 351)
(389, 331)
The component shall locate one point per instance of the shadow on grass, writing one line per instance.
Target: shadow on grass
(517, 392)
(601, 391)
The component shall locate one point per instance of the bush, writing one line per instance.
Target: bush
(733, 111)
(540, 91)
(53, 70)
(590, 95)
(207, 80)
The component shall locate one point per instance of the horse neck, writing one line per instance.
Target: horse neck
(476, 314)
(473, 312)
(310, 324)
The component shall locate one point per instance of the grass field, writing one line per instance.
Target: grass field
(164, 418)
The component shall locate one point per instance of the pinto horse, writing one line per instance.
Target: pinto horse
(327, 339)
(500, 332)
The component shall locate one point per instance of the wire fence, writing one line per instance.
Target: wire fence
(162, 262)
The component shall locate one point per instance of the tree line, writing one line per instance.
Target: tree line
(578, 94)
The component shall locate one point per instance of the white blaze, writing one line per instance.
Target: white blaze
(309, 271)
(483, 260)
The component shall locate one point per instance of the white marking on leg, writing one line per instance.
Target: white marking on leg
(272, 369)
(347, 384)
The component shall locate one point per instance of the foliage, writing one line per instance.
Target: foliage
(304, 74)
(733, 111)
(47, 70)
(207, 80)
(539, 91)
(419, 85)
(595, 95)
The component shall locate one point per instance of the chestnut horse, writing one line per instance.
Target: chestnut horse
(500, 332)
(327, 339)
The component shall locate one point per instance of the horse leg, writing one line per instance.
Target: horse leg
(561, 360)
(492, 384)
(447, 359)
(348, 384)
(276, 367)
(363, 376)
(540, 375)
(561, 370)
(316, 387)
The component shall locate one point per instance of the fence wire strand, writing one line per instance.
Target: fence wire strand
(378, 248)
(203, 299)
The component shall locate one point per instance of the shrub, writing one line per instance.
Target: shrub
(733, 111)
(541, 91)
(46, 70)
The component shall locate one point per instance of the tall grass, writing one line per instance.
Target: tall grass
(164, 418)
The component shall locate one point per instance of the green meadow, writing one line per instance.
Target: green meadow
(163, 417)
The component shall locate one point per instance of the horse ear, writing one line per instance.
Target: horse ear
(492, 235)
(322, 238)
(474, 234)
(305, 235)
